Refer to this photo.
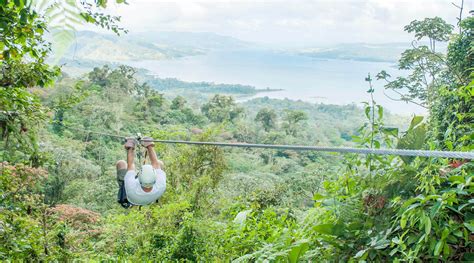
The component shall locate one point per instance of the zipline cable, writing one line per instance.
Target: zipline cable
(399, 152)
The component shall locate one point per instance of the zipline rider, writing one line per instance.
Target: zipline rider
(149, 185)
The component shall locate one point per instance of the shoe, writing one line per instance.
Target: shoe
(147, 141)
(130, 143)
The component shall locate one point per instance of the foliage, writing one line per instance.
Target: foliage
(426, 66)
(267, 117)
(237, 204)
(435, 29)
(292, 120)
(221, 108)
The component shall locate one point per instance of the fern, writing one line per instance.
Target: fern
(63, 18)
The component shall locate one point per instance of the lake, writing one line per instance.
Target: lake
(300, 77)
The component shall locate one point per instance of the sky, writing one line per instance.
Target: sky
(286, 22)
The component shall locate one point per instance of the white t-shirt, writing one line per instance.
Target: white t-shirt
(135, 193)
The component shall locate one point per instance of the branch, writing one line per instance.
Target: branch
(403, 99)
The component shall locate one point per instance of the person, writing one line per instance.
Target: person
(149, 185)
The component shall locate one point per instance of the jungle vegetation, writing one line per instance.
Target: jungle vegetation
(58, 188)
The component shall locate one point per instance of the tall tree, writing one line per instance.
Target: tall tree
(292, 119)
(221, 108)
(426, 67)
(267, 117)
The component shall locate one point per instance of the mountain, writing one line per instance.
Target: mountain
(387, 52)
(203, 41)
(93, 46)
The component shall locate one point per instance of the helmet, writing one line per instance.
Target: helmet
(147, 177)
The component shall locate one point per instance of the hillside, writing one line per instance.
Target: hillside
(389, 52)
(91, 46)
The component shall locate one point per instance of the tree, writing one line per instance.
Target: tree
(221, 108)
(178, 103)
(267, 117)
(292, 119)
(23, 66)
(99, 76)
(426, 66)
(435, 29)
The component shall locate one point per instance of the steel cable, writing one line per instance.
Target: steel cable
(399, 152)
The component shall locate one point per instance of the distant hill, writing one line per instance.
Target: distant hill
(91, 46)
(203, 41)
(91, 49)
(389, 52)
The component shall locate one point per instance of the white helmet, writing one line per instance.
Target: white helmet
(147, 177)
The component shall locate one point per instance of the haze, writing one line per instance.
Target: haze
(294, 23)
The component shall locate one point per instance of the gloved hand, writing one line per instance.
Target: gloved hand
(130, 143)
(147, 141)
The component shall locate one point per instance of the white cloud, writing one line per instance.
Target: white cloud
(287, 22)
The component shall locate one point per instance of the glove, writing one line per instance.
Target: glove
(147, 141)
(130, 143)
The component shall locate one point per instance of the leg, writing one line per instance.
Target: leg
(122, 195)
(121, 171)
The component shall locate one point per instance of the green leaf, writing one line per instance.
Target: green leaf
(329, 229)
(456, 179)
(415, 121)
(435, 208)
(413, 139)
(19, 3)
(318, 196)
(380, 111)
(360, 253)
(367, 112)
(469, 226)
(403, 221)
(297, 251)
(446, 250)
(469, 257)
(427, 225)
(377, 144)
(391, 131)
(438, 247)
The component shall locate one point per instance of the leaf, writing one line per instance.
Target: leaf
(297, 251)
(469, 226)
(19, 3)
(435, 208)
(438, 247)
(456, 179)
(377, 144)
(391, 131)
(446, 250)
(403, 221)
(427, 225)
(329, 229)
(469, 257)
(413, 140)
(318, 196)
(360, 253)
(367, 112)
(380, 111)
(415, 121)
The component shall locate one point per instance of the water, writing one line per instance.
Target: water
(301, 78)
